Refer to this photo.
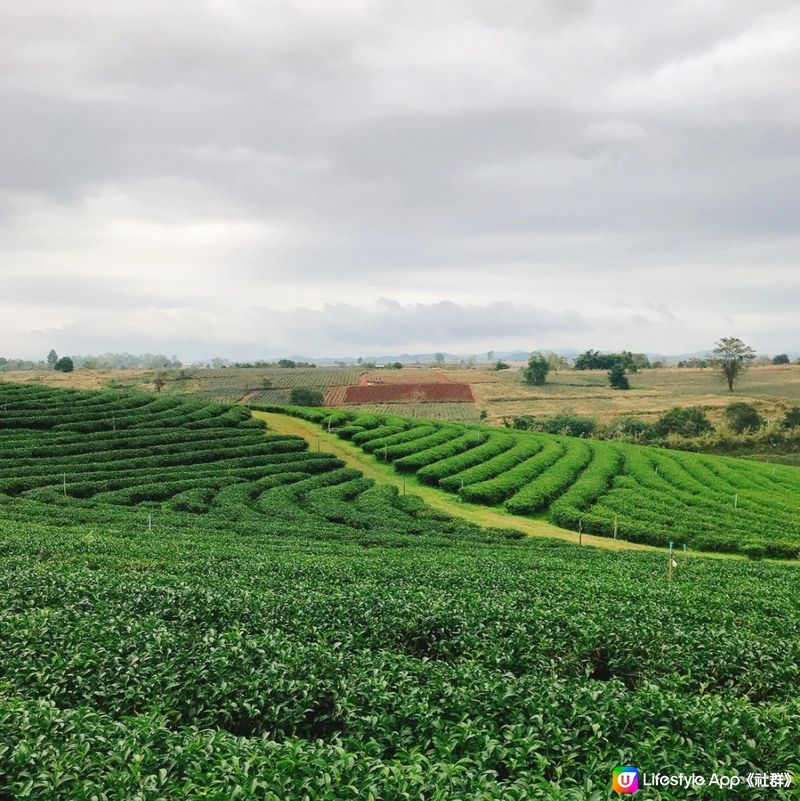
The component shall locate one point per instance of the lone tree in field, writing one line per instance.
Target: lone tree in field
(617, 378)
(159, 381)
(64, 365)
(536, 371)
(52, 358)
(439, 359)
(733, 358)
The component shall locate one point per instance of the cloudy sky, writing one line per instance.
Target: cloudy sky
(358, 177)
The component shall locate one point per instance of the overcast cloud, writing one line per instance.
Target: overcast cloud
(363, 176)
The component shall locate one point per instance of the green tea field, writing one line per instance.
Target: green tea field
(638, 493)
(192, 606)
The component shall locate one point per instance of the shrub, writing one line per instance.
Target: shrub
(571, 425)
(753, 550)
(305, 396)
(536, 371)
(791, 419)
(633, 427)
(64, 364)
(687, 421)
(566, 423)
(743, 417)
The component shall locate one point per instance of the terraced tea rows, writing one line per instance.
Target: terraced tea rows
(230, 384)
(62, 449)
(215, 611)
(455, 412)
(641, 494)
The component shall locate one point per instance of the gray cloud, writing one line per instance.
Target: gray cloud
(174, 163)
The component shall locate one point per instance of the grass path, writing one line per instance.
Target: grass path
(373, 468)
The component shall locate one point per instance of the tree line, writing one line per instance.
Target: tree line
(730, 356)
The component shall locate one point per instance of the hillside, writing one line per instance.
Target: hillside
(639, 493)
(192, 606)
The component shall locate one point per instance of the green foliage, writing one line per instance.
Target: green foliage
(732, 357)
(617, 378)
(305, 396)
(631, 427)
(64, 365)
(653, 495)
(686, 421)
(536, 371)
(52, 358)
(791, 418)
(594, 360)
(214, 611)
(742, 417)
(501, 365)
(781, 358)
(565, 423)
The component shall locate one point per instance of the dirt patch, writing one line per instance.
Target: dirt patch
(404, 393)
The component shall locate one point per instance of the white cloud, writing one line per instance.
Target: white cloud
(166, 167)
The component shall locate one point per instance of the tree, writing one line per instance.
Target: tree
(732, 357)
(501, 365)
(536, 371)
(490, 356)
(64, 365)
(288, 363)
(556, 362)
(52, 358)
(781, 358)
(305, 396)
(159, 380)
(617, 378)
(439, 358)
(743, 417)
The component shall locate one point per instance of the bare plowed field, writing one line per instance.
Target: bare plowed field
(406, 393)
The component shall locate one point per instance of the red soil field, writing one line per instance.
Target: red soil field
(405, 393)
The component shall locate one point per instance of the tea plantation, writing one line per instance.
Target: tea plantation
(647, 495)
(192, 607)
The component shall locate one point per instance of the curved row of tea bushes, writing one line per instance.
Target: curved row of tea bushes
(640, 493)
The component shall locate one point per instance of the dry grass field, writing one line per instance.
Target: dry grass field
(770, 388)
(82, 379)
